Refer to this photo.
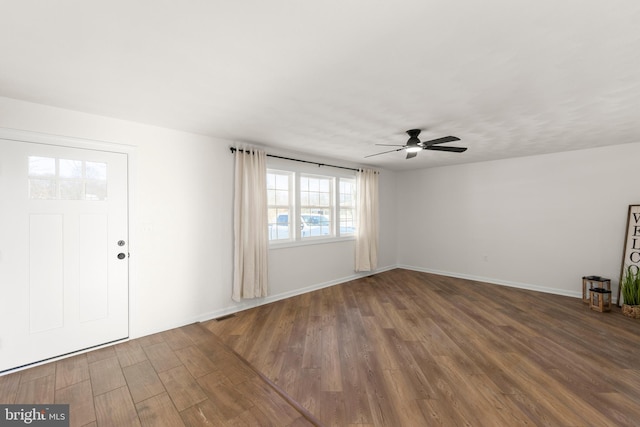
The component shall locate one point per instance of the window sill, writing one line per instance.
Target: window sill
(310, 241)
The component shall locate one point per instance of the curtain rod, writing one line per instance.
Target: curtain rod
(234, 149)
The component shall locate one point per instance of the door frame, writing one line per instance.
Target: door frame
(88, 144)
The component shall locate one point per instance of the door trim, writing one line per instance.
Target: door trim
(82, 143)
(64, 141)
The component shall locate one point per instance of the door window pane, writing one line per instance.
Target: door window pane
(97, 171)
(42, 166)
(44, 189)
(51, 178)
(70, 169)
(71, 190)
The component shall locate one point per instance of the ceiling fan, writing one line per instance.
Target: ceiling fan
(414, 145)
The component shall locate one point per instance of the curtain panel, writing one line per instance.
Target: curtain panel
(250, 269)
(367, 237)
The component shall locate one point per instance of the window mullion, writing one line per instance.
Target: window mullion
(295, 223)
(336, 206)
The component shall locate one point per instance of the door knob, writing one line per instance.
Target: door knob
(121, 255)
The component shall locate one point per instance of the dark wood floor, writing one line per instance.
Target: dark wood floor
(184, 376)
(399, 348)
(404, 348)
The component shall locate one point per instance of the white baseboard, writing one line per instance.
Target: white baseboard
(247, 304)
(528, 286)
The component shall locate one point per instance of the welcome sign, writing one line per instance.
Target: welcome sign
(631, 256)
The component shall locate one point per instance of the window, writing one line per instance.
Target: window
(307, 207)
(347, 219)
(279, 202)
(316, 206)
(64, 179)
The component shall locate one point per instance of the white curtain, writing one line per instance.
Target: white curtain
(367, 238)
(250, 270)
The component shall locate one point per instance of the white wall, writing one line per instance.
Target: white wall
(181, 224)
(538, 222)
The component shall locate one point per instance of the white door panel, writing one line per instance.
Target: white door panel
(62, 286)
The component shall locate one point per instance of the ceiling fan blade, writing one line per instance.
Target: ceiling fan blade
(450, 149)
(384, 152)
(411, 155)
(441, 140)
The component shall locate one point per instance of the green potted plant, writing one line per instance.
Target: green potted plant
(631, 292)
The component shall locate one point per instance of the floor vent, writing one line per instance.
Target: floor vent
(228, 316)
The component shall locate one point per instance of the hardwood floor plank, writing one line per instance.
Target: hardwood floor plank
(161, 356)
(129, 353)
(288, 375)
(81, 408)
(302, 422)
(332, 408)
(182, 387)
(177, 339)
(150, 340)
(101, 354)
(158, 411)
(40, 390)
(382, 351)
(271, 404)
(201, 414)
(440, 413)
(45, 370)
(143, 381)
(106, 375)
(309, 390)
(403, 397)
(71, 371)
(312, 353)
(499, 408)
(559, 402)
(222, 393)
(351, 352)
(234, 372)
(195, 361)
(116, 409)
(9, 385)
(620, 408)
(196, 333)
(330, 362)
(251, 417)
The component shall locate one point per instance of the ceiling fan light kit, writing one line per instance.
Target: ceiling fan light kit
(413, 145)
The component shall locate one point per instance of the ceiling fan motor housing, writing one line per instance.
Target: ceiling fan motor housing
(413, 138)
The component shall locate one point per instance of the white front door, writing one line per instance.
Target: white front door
(63, 250)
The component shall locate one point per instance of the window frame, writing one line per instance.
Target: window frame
(291, 190)
(298, 171)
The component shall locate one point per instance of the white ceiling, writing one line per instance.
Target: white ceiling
(333, 78)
